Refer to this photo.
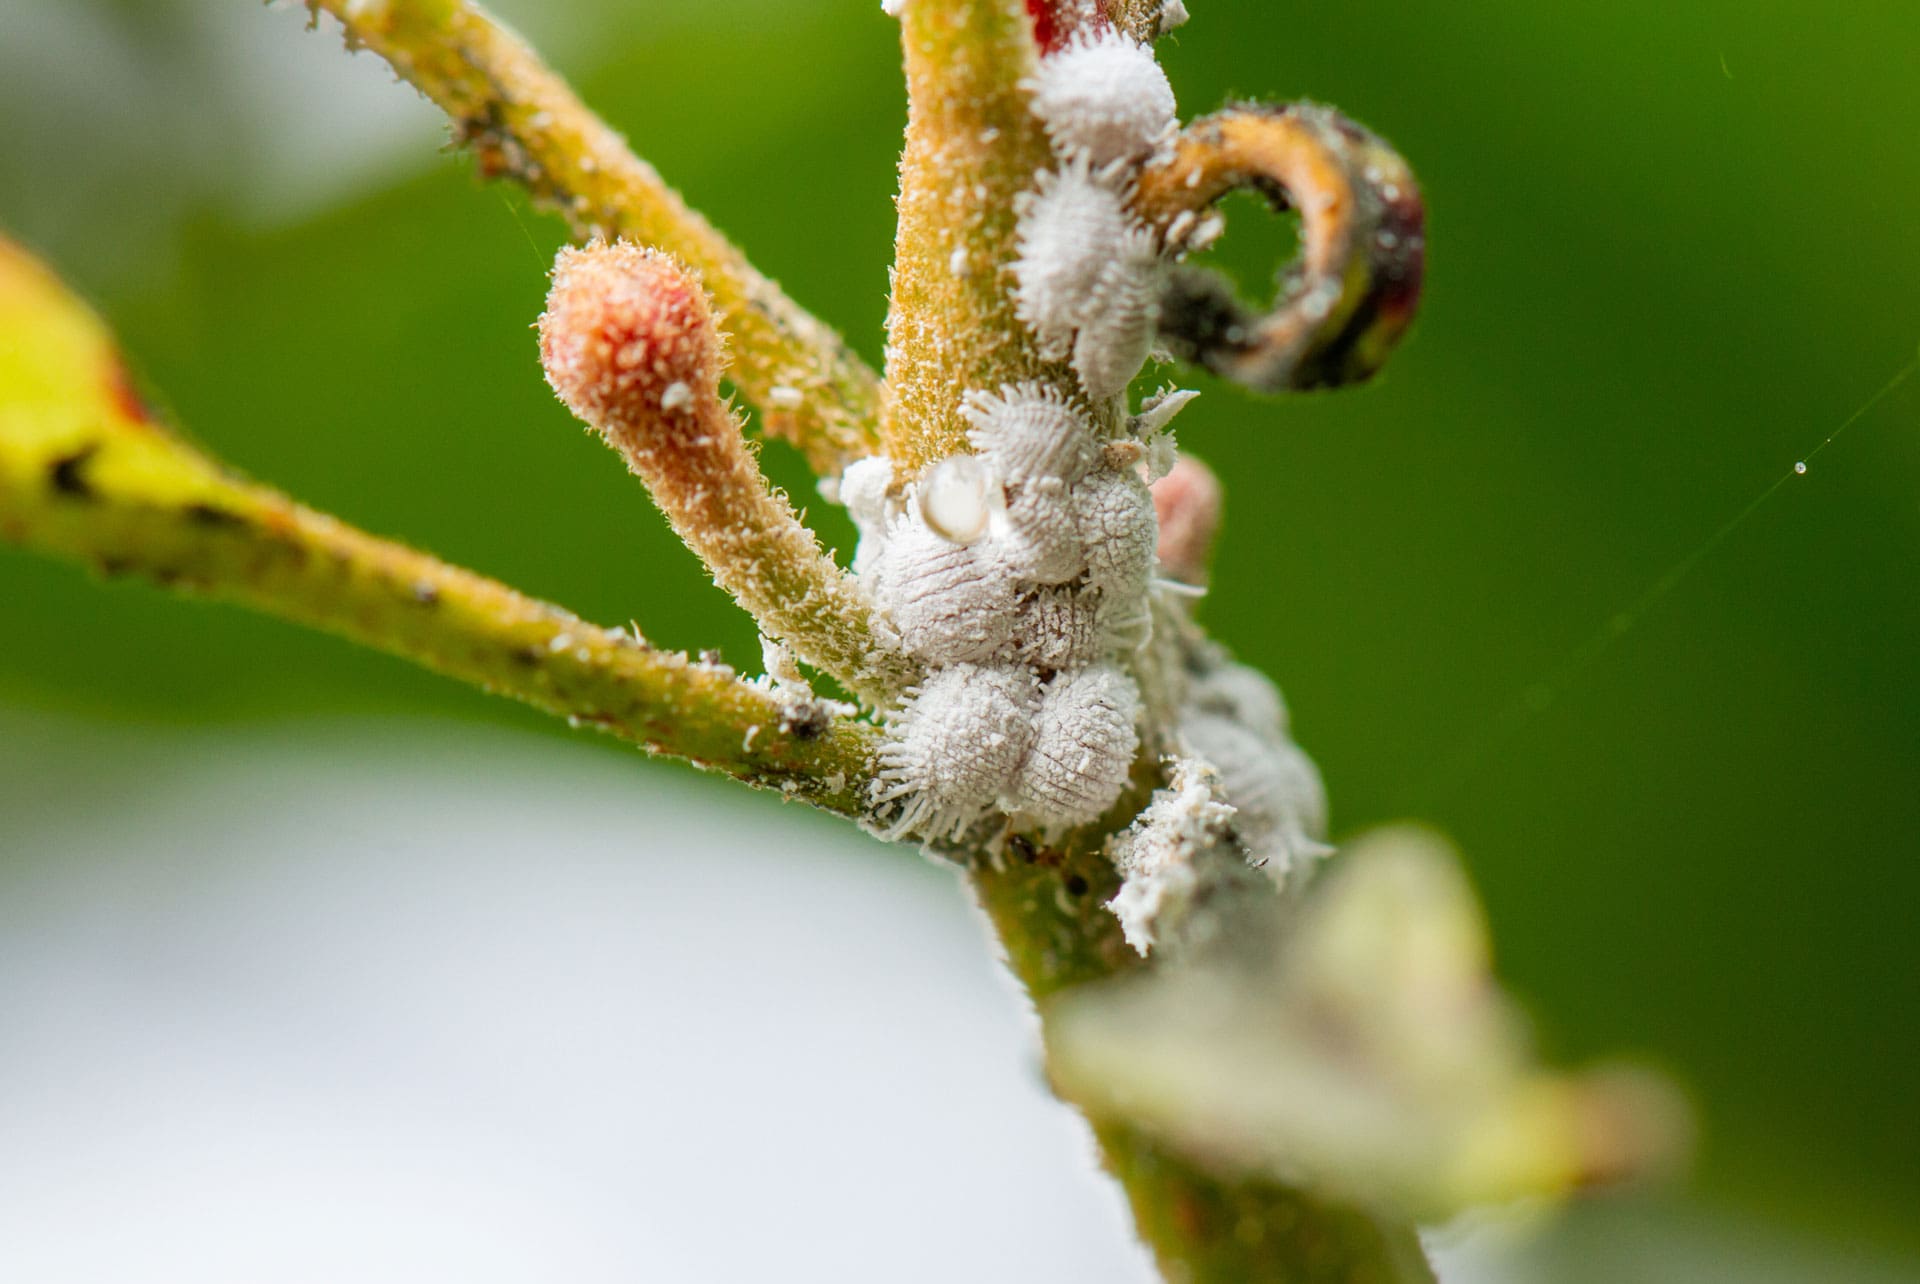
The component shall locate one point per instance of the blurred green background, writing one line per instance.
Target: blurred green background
(1672, 250)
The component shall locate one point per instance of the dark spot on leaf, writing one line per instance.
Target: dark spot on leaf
(213, 516)
(68, 474)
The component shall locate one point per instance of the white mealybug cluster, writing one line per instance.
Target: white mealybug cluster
(1088, 277)
(957, 745)
(1167, 857)
(1104, 97)
(1241, 802)
(1083, 745)
(1089, 274)
(1018, 577)
(1234, 718)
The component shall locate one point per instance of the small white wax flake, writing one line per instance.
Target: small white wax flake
(746, 741)
(782, 397)
(1104, 98)
(953, 499)
(864, 487)
(893, 8)
(1157, 411)
(1172, 14)
(676, 396)
(958, 262)
(778, 660)
(560, 642)
(1207, 232)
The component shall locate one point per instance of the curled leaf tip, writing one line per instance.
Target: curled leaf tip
(1352, 294)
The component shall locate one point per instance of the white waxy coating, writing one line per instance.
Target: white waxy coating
(1030, 431)
(950, 603)
(1158, 410)
(1243, 694)
(1113, 510)
(1080, 253)
(1060, 629)
(956, 497)
(956, 745)
(1083, 748)
(1281, 800)
(863, 490)
(1118, 338)
(1043, 540)
(1104, 98)
(1163, 855)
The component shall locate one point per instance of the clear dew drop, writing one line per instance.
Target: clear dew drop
(953, 499)
(1800, 468)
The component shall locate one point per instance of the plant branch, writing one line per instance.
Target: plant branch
(628, 342)
(521, 121)
(88, 475)
(972, 145)
(1048, 907)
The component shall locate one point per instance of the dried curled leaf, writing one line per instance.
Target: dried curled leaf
(1352, 293)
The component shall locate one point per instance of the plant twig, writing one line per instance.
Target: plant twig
(87, 474)
(972, 146)
(521, 121)
(1048, 906)
(628, 342)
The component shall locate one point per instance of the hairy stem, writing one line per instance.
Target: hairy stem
(521, 121)
(87, 474)
(972, 146)
(628, 342)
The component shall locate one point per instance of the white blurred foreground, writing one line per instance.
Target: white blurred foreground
(380, 1002)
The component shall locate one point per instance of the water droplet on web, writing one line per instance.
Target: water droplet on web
(1800, 468)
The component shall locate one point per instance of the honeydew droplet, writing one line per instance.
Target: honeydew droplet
(1800, 468)
(953, 499)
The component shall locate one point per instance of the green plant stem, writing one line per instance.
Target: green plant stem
(87, 474)
(1048, 905)
(972, 146)
(521, 121)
